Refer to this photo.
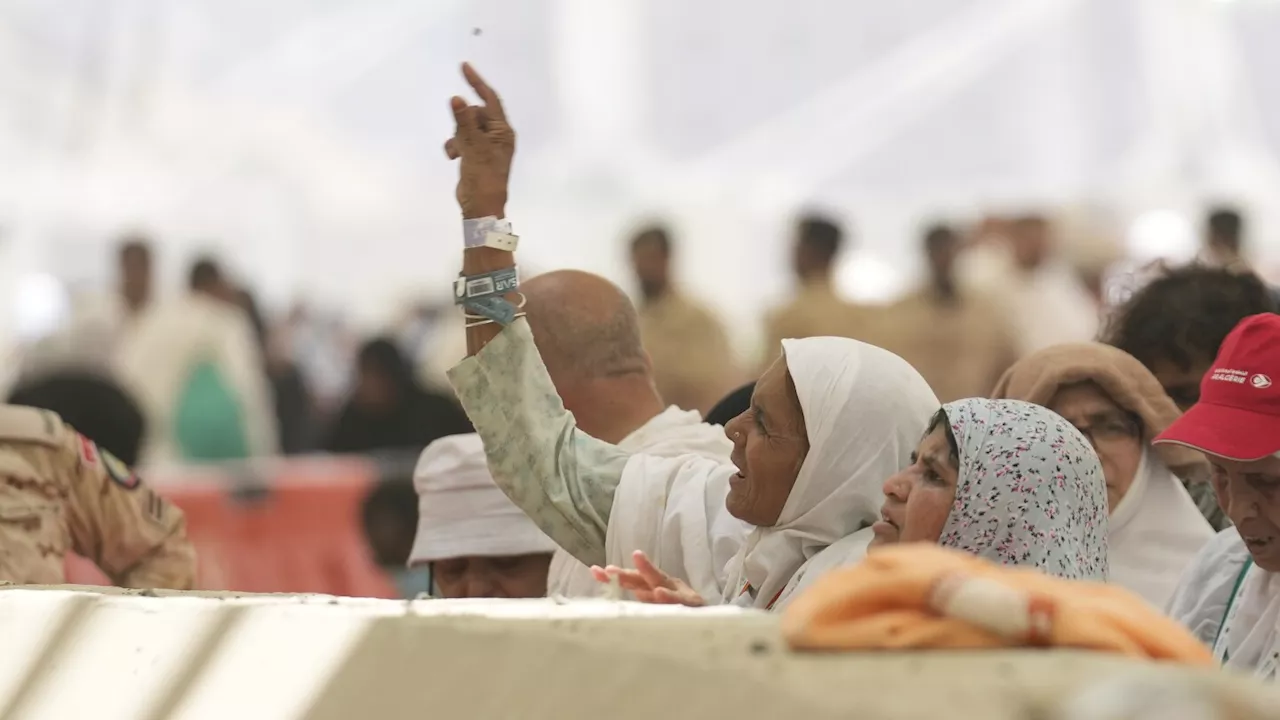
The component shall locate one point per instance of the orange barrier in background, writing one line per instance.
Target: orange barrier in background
(295, 529)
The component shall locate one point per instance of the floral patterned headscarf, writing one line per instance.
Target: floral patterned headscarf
(1030, 490)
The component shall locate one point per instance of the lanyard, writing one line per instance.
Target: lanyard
(1220, 639)
(746, 588)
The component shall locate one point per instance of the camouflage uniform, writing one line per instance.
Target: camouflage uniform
(60, 493)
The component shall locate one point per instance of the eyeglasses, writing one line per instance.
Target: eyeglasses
(1110, 430)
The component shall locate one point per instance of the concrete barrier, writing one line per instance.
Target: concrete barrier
(71, 653)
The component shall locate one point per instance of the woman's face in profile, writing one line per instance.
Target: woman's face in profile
(918, 499)
(770, 442)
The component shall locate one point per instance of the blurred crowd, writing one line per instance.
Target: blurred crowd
(205, 376)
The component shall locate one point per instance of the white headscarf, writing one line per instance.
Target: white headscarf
(462, 512)
(865, 410)
(1156, 531)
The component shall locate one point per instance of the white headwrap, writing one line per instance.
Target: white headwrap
(865, 410)
(462, 512)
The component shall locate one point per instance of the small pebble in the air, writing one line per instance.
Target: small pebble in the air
(476, 31)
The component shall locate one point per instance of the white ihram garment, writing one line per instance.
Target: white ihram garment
(671, 433)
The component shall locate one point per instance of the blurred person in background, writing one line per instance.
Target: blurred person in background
(1175, 326)
(1224, 243)
(1224, 239)
(389, 410)
(693, 364)
(84, 344)
(63, 493)
(389, 517)
(588, 335)
(1090, 244)
(817, 310)
(136, 274)
(1050, 305)
(293, 407)
(195, 367)
(324, 351)
(473, 540)
(958, 339)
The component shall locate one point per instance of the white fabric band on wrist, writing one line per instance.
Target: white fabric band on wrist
(488, 232)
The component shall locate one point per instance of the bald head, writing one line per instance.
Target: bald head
(583, 325)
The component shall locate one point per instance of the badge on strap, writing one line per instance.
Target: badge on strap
(118, 471)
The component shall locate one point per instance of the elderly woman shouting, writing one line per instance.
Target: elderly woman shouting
(828, 422)
(1120, 407)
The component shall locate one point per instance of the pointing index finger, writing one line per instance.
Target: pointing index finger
(491, 101)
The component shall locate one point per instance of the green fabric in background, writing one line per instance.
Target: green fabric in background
(209, 422)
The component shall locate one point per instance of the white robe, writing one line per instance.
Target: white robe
(1200, 602)
(1156, 531)
(865, 410)
(157, 354)
(1232, 605)
(671, 433)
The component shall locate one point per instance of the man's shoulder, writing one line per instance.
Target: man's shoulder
(676, 433)
(31, 426)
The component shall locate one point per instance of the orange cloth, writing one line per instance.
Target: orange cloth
(921, 596)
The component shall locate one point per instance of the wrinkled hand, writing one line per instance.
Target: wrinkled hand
(649, 584)
(485, 143)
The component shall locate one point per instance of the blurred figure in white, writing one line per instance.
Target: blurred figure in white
(816, 310)
(693, 363)
(958, 339)
(195, 366)
(1090, 240)
(97, 320)
(1046, 303)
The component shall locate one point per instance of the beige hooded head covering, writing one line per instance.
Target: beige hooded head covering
(1038, 377)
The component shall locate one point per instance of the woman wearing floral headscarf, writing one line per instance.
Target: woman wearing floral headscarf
(1007, 481)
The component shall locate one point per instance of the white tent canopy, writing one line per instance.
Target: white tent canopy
(301, 138)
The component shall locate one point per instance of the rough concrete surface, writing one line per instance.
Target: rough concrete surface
(531, 660)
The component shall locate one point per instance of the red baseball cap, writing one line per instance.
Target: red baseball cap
(1238, 416)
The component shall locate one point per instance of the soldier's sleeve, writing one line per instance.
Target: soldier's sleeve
(136, 537)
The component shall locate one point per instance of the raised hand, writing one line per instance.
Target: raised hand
(485, 143)
(649, 584)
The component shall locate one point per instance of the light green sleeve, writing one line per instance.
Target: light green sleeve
(562, 478)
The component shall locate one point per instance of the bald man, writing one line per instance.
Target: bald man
(588, 334)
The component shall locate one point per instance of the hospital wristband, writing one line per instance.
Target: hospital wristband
(490, 232)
